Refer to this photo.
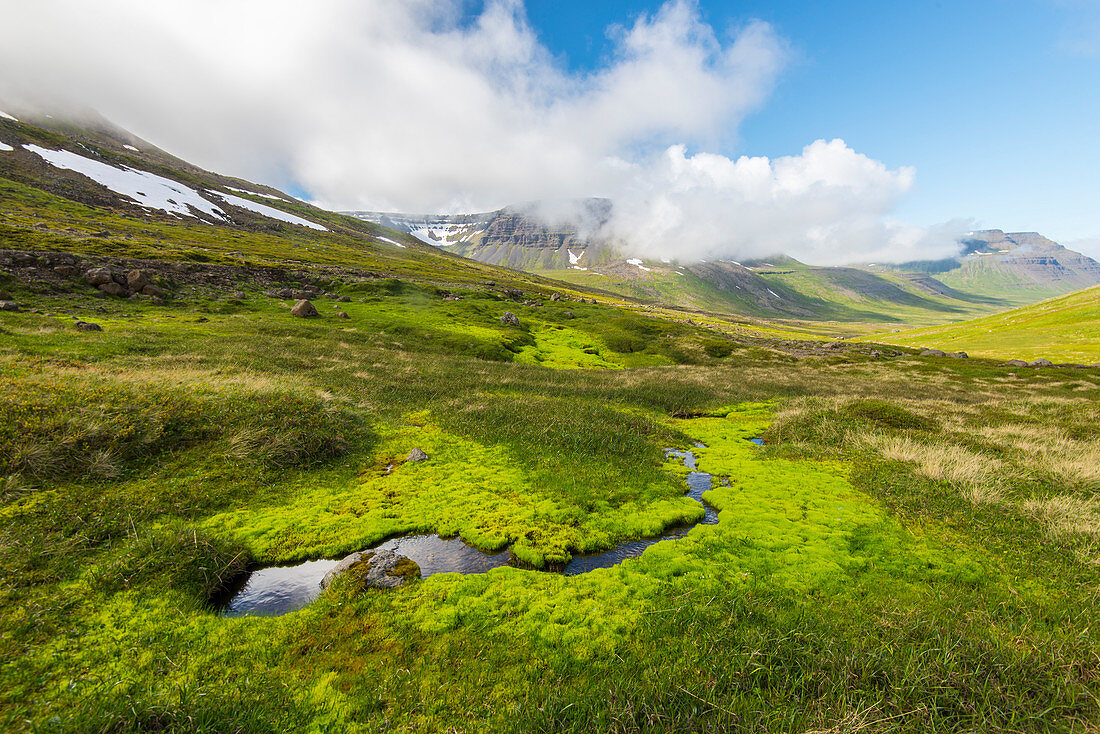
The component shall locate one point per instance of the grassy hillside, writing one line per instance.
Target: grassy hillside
(912, 548)
(1063, 329)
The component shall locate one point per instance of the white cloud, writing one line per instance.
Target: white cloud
(409, 105)
(828, 205)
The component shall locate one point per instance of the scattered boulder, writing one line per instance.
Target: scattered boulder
(933, 353)
(568, 315)
(9, 306)
(1016, 363)
(382, 569)
(958, 355)
(112, 289)
(342, 315)
(136, 280)
(344, 299)
(417, 455)
(509, 319)
(237, 295)
(555, 296)
(514, 293)
(152, 290)
(98, 276)
(305, 310)
(85, 326)
(67, 271)
(1040, 363)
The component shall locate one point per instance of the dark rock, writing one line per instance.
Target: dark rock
(417, 455)
(136, 280)
(113, 289)
(152, 290)
(933, 353)
(1016, 363)
(1040, 363)
(509, 319)
(383, 569)
(159, 301)
(9, 306)
(331, 296)
(958, 355)
(568, 314)
(4, 295)
(304, 309)
(98, 276)
(85, 326)
(201, 320)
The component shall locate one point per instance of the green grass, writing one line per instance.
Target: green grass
(1062, 329)
(828, 595)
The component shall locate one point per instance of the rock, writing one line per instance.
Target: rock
(304, 309)
(331, 296)
(67, 271)
(151, 290)
(568, 314)
(1072, 365)
(1040, 363)
(4, 295)
(85, 326)
(342, 315)
(237, 295)
(344, 299)
(201, 320)
(1016, 363)
(136, 280)
(112, 289)
(417, 455)
(555, 296)
(159, 301)
(98, 276)
(958, 355)
(383, 569)
(509, 319)
(514, 293)
(9, 306)
(933, 353)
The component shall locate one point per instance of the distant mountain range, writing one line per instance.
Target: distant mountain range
(993, 271)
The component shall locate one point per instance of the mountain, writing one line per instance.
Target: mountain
(563, 240)
(535, 236)
(1020, 267)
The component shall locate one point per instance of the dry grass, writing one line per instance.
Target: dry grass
(1066, 515)
(943, 462)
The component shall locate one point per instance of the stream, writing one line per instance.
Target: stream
(281, 589)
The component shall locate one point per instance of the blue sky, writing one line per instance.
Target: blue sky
(996, 104)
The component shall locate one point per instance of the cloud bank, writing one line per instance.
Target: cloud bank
(418, 105)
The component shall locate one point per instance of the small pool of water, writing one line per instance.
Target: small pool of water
(283, 589)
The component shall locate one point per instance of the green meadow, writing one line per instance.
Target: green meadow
(912, 548)
(1062, 329)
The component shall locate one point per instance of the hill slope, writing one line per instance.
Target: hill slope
(1062, 329)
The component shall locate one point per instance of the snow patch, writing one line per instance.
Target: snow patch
(774, 293)
(387, 239)
(5, 147)
(255, 193)
(638, 264)
(147, 189)
(6, 116)
(130, 147)
(577, 267)
(574, 259)
(267, 211)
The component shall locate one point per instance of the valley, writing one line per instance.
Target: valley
(891, 541)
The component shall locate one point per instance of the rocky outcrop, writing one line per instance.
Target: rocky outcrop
(383, 569)
(509, 319)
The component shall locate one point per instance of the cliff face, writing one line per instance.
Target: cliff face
(535, 236)
(1027, 258)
